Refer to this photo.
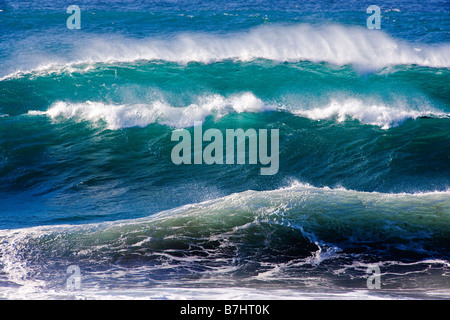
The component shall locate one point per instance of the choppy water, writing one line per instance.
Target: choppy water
(86, 176)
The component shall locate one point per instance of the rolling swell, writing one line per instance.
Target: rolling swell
(294, 232)
(54, 157)
(75, 129)
(334, 44)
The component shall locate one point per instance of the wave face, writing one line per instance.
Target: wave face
(86, 177)
(288, 237)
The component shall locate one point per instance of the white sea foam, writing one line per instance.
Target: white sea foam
(295, 184)
(366, 112)
(332, 43)
(214, 293)
(117, 116)
(141, 115)
(335, 44)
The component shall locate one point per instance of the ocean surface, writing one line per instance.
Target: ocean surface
(87, 178)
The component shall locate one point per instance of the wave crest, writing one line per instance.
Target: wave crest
(117, 116)
(141, 115)
(335, 44)
(376, 114)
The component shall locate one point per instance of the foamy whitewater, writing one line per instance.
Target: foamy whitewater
(123, 116)
(87, 182)
(333, 44)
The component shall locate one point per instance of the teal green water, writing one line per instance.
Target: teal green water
(86, 119)
(376, 132)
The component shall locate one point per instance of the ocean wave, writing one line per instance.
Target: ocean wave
(253, 232)
(161, 112)
(335, 44)
(141, 115)
(294, 184)
(367, 112)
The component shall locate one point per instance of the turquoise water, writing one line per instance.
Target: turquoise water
(87, 179)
